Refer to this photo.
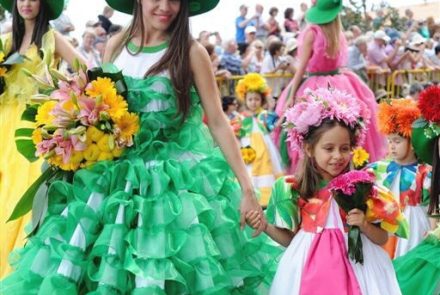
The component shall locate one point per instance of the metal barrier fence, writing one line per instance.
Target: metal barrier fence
(391, 84)
(401, 79)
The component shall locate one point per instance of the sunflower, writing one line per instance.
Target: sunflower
(101, 87)
(44, 116)
(117, 105)
(360, 157)
(128, 124)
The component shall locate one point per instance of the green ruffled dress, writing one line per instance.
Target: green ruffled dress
(163, 219)
(418, 272)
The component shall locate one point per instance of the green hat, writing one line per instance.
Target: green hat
(55, 7)
(195, 6)
(423, 145)
(324, 11)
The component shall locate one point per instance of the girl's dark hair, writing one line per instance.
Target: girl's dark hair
(274, 47)
(435, 182)
(41, 26)
(288, 13)
(273, 10)
(309, 176)
(226, 102)
(175, 59)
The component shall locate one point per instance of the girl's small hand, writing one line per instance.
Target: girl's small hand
(356, 217)
(249, 203)
(253, 219)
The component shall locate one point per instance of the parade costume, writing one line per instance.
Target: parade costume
(418, 272)
(316, 261)
(16, 171)
(410, 184)
(254, 132)
(324, 71)
(162, 219)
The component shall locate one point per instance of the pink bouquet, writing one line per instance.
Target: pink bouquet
(351, 191)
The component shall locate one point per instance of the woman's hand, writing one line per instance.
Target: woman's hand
(356, 217)
(249, 205)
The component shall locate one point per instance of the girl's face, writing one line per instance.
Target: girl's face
(28, 9)
(253, 101)
(332, 152)
(159, 14)
(400, 149)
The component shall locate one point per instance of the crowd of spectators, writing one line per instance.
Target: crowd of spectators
(264, 45)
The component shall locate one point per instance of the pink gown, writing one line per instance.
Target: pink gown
(323, 73)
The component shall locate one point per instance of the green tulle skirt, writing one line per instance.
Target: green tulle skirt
(418, 272)
(123, 228)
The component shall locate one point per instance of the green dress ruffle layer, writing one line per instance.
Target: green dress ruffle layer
(162, 219)
(418, 272)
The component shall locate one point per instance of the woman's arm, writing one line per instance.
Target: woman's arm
(304, 57)
(220, 129)
(374, 233)
(65, 50)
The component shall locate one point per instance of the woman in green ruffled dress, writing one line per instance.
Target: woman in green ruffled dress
(163, 218)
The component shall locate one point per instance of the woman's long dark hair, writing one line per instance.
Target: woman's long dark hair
(175, 59)
(434, 206)
(41, 26)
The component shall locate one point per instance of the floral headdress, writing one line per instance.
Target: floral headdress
(252, 82)
(426, 129)
(397, 116)
(325, 103)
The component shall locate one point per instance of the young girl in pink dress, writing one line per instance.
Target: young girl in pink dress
(322, 54)
(304, 217)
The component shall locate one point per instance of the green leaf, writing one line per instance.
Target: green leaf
(419, 123)
(30, 113)
(24, 132)
(39, 206)
(25, 204)
(13, 59)
(27, 148)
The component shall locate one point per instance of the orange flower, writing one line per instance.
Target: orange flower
(397, 116)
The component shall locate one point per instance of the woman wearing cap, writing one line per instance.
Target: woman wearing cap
(322, 54)
(32, 37)
(163, 218)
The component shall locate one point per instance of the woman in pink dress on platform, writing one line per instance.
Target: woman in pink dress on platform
(322, 55)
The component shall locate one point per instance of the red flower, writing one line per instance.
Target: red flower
(429, 104)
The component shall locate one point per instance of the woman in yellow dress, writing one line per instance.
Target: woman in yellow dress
(32, 37)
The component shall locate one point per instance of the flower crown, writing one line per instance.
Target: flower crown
(252, 82)
(397, 116)
(325, 103)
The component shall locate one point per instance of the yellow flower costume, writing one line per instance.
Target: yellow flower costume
(16, 172)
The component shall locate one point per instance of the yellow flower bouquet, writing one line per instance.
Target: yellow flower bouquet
(79, 120)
